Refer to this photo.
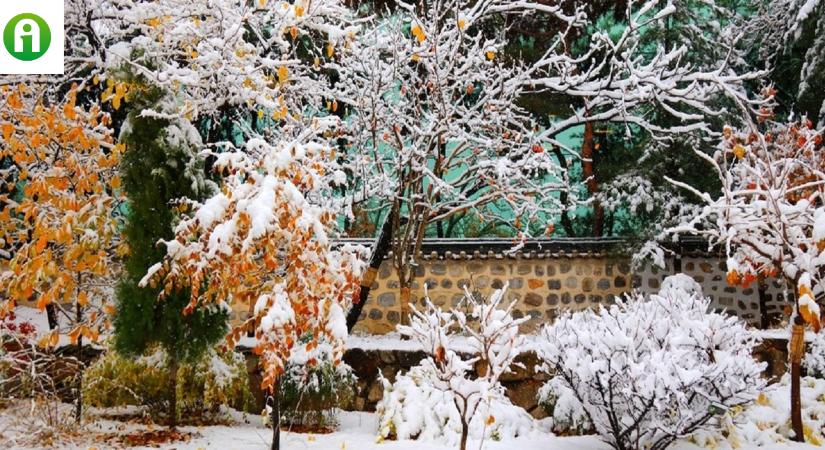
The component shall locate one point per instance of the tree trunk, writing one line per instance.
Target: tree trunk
(379, 252)
(465, 430)
(275, 415)
(173, 393)
(795, 354)
(566, 223)
(588, 152)
(78, 408)
(764, 318)
(405, 303)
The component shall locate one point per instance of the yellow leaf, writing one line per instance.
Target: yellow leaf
(43, 342)
(461, 24)
(283, 74)
(739, 151)
(490, 54)
(299, 11)
(418, 33)
(490, 420)
(69, 112)
(330, 50)
(43, 301)
(809, 317)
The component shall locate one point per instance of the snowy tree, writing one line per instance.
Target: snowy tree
(649, 371)
(435, 128)
(236, 61)
(789, 36)
(436, 116)
(617, 154)
(267, 238)
(59, 236)
(441, 398)
(770, 219)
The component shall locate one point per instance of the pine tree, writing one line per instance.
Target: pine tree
(159, 169)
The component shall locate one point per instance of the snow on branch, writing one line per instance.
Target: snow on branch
(265, 239)
(441, 399)
(769, 217)
(648, 371)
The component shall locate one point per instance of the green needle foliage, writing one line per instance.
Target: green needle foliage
(156, 170)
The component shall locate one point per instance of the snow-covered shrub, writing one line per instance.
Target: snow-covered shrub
(814, 361)
(561, 403)
(648, 371)
(219, 378)
(313, 385)
(442, 399)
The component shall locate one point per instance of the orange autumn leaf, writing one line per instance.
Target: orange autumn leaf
(83, 299)
(8, 129)
(74, 335)
(54, 339)
(41, 244)
(62, 203)
(810, 318)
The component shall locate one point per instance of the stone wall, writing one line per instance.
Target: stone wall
(711, 274)
(544, 284)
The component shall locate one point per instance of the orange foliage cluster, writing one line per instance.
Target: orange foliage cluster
(58, 194)
(787, 159)
(280, 260)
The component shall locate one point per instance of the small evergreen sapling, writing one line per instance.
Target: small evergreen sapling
(162, 166)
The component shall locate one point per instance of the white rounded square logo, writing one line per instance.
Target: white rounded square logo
(32, 37)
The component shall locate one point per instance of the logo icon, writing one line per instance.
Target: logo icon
(27, 37)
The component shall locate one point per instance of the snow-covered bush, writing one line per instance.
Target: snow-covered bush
(561, 403)
(814, 362)
(442, 399)
(313, 385)
(217, 379)
(648, 371)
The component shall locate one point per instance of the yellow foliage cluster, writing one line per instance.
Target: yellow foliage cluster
(57, 205)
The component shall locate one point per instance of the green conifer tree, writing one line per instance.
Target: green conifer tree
(160, 166)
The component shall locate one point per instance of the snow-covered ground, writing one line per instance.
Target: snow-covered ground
(356, 431)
